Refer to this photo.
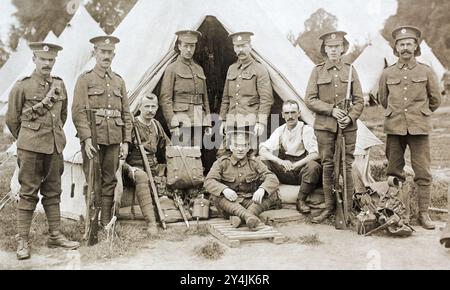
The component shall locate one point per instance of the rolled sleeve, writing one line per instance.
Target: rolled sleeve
(310, 140)
(273, 143)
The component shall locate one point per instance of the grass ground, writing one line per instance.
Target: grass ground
(131, 238)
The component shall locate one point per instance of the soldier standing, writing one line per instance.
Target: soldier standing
(104, 92)
(37, 112)
(184, 96)
(325, 96)
(247, 95)
(242, 185)
(409, 91)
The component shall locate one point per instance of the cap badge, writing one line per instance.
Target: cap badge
(45, 48)
(239, 38)
(107, 41)
(403, 31)
(333, 36)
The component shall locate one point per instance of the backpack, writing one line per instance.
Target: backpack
(184, 167)
(380, 207)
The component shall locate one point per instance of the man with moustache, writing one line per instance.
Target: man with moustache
(241, 185)
(325, 95)
(153, 139)
(292, 153)
(37, 111)
(104, 92)
(247, 95)
(409, 91)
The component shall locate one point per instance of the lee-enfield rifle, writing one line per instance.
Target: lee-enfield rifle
(93, 196)
(153, 190)
(341, 220)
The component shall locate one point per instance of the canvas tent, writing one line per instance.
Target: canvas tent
(371, 63)
(429, 58)
(15, 62)
(147, 40)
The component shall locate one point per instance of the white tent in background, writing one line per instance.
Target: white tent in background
(372, 61)
(429, 58)
(16, 61)
(147, 40)
(69, 64)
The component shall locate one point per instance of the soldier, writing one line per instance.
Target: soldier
(104, 92)
(247, 95)
(291, 153)
(325, 96)
(409, 91)
(37, 112)
(154, 139)
(184, 96)
(243, 186)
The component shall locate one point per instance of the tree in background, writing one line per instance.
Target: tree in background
(109, 13)
(431, 17)
(3, 53)
(318, 23)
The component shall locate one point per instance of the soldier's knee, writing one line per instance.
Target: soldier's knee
(27, 204)
(140, 176)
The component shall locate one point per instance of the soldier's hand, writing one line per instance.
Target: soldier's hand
(287, 165)
(222, 129)
(208, 131)
(124, 150)
(338, 113)
(175, 131)
(89, 149)
(259, 129)
(258, 195)
(344, 122)
(230, 194)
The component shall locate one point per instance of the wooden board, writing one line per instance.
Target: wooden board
(232, 237)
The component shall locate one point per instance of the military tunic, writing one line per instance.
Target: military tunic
(410, 93)
(327, 88)
(247, 94)
(104, 92)
(40, 138)
(184, 96)
(244, 177)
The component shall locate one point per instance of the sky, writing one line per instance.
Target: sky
(358, 18)
(6, 10)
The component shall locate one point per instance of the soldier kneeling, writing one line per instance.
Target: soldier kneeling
(243, 186)
(153, 138)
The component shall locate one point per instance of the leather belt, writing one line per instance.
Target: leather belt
(108, 113)
(189, 99)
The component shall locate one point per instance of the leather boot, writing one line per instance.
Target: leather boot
(445, 236)
(302, 207)
(57, 239)
(329, 208)
(425, 221)
(23, 249)
(253, 222)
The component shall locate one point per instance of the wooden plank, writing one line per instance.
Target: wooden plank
(229, 242)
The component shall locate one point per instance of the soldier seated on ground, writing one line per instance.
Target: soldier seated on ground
(291, 153)
(242, 186)
(154, 139)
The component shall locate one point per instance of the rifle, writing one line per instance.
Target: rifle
(153, 191)
(392, 220)
(339, 156)
(94, 188)
(179, 203)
